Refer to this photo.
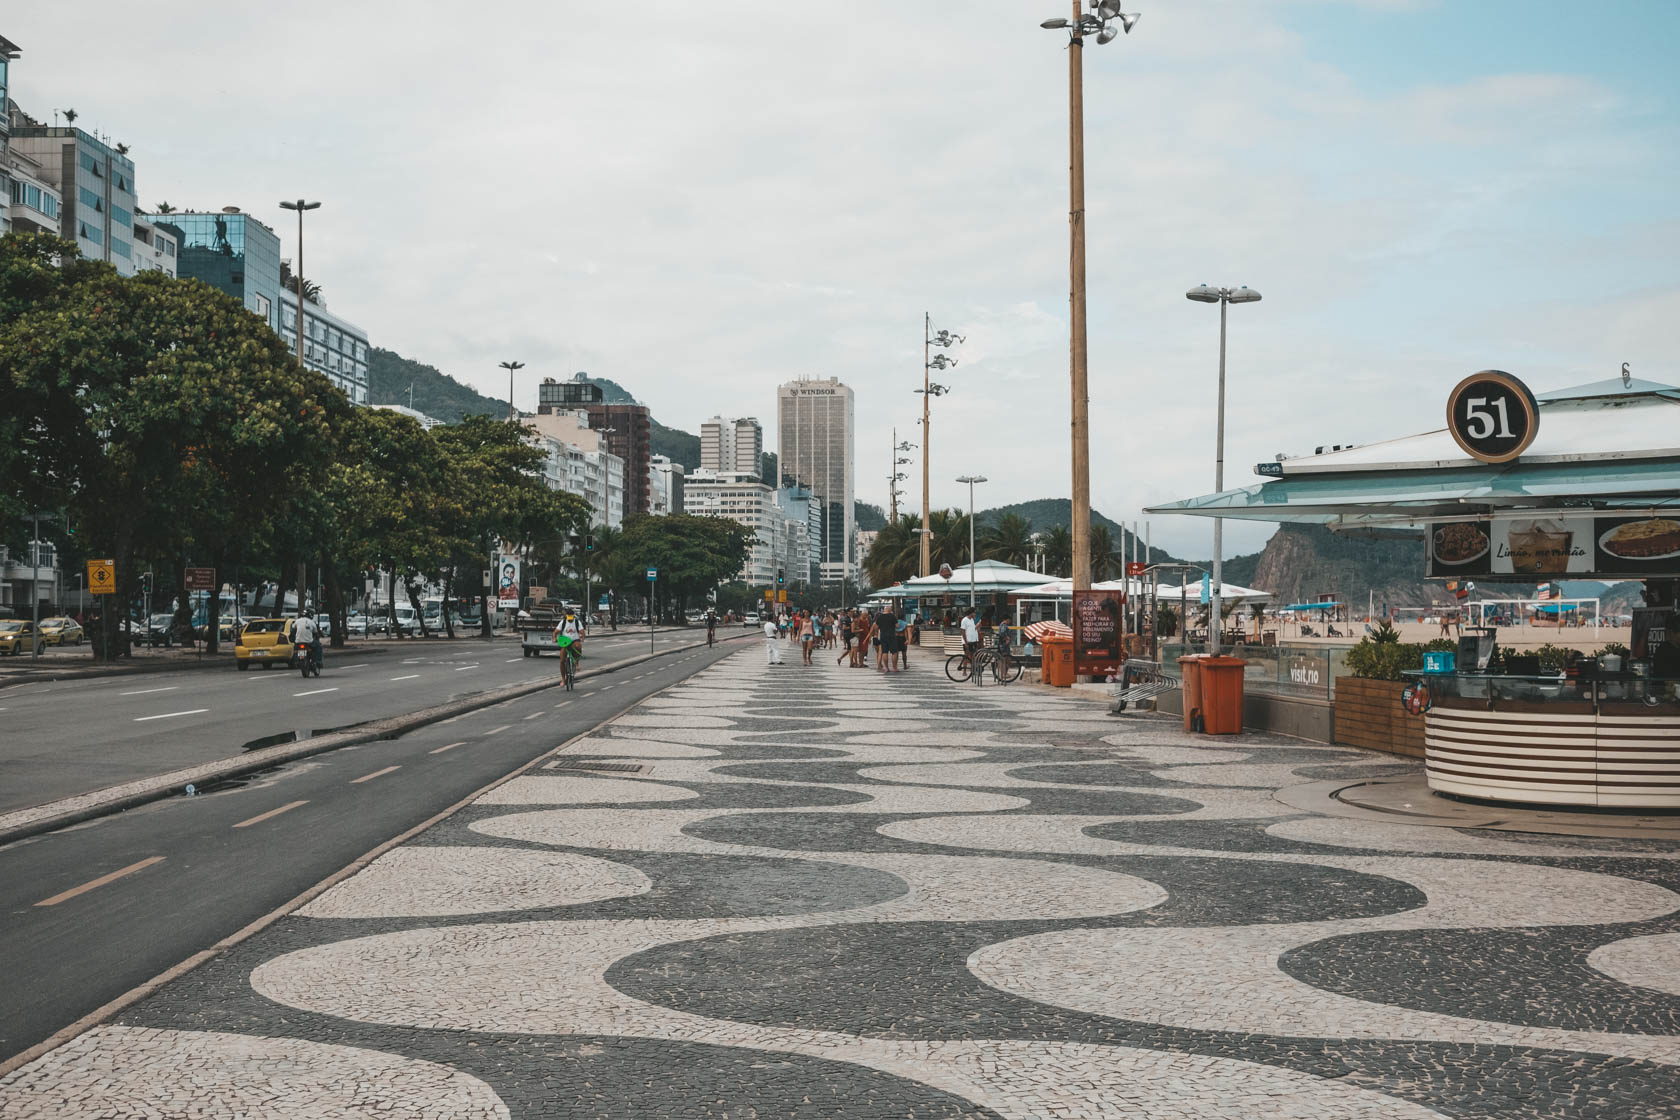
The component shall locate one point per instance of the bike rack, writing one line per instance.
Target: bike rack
(1141, 679)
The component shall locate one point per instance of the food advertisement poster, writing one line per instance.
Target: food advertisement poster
(1096, 631)
(1603, 547)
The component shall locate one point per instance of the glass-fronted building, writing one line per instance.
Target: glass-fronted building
(95, 183)
(230, 250)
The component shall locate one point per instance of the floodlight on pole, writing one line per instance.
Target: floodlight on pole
(300, 206)
(510, 367)
(1104, 23)
(930, 389)
(1202, 293)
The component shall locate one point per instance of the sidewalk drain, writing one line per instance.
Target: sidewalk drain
(613, 767)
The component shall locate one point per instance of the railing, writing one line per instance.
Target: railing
(1308, 671)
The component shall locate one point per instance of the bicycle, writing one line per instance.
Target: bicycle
(568, 662)
(957, 668)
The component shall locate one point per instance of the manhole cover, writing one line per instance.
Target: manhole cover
(612, 767)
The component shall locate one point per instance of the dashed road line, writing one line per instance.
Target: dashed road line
(171, 715)
(65, 896)
(532, 716)
(513, 661)
(449, 747)
(315, 692)
(260, 817)
(464, 668)
(410, 677)
(357, 665)
(562, 704)
(497, 730)
(143, 691)
(372, 776)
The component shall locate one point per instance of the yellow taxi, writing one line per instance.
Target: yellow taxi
(265, 642)
(61, 632)
(17, 635)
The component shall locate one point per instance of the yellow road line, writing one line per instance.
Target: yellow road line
(100, 882)
(260, 817)
(372, 776)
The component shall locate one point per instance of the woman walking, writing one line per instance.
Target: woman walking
(807, 635)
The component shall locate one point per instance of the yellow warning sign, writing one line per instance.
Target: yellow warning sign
(102, 577)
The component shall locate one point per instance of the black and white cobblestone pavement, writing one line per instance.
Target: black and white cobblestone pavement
(828, 893)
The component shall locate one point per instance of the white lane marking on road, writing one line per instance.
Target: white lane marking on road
(513, 660)
(413, 660)
(533, 715)
(496, 730)
(410, 677)
(171, 715)
(100, 882)
(609, 688)
(562, 704)
(464, 668)
(315, 692)
(260, 817)
(143, 691)
(372, 776)
(450, 747)
(357, 665)
(451, 719)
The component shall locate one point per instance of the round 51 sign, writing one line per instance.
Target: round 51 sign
(1493, 416)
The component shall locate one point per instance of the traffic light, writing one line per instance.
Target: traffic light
(780, 580)
(589, 543)
(146, 583)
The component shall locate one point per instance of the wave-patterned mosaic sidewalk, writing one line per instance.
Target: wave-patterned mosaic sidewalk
(829, 893)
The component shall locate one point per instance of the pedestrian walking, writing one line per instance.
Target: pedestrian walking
(886, 629)
(901, 642)
(860, 639)
(807, 635)
(772, 654)
(845, 627)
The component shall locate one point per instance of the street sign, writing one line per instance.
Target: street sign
(1492, 416)
(769, 595)
(1207, 587)
(199, 579)
(653, 574)
(1136, 568)
(781, 596)
(102, 577)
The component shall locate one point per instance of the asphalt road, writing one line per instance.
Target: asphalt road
(59, 739)
(94, 910)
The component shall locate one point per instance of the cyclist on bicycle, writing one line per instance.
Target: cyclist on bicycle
(711, 626)
(571, 628)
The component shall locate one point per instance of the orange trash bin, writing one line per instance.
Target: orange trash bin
(1190, 675)
(1222, 695)
(1058, 661)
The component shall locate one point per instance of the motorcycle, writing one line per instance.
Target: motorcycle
(309, 661)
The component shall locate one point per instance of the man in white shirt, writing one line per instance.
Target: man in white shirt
(772, 654)
(307, 637)
(971, 635)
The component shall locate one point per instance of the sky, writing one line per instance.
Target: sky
(701, 201)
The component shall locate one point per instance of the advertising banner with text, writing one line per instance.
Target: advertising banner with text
(1096, 631)
(1587, 547)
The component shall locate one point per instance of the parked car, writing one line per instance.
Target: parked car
(265, 642)
(17, 636)
(360, 625)
(160, 630)
(61, 632)
(226, 631)
(749, 621)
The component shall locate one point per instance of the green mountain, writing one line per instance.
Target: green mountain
(679, 446)
(869, 518)
(1047, 513)
(435, 393)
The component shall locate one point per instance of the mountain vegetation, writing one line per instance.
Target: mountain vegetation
(678, 446)
(435, 393)
(1045, 514)
(870, 518)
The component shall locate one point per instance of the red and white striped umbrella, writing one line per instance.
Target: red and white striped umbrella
(1038, 631)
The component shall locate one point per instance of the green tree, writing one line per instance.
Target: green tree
(1058, 550)
(1007, 537)
(692, 554)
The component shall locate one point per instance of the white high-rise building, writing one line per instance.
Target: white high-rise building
(579, 463)
(815, 425)
(667, 479)
(782, 538)
(730, 445)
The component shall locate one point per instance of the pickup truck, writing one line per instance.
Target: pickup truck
(536, 628)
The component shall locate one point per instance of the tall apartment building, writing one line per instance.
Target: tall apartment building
(627, 427)
(8, 51)
(814, 426)
(731, 445)
(578, 462)
(240, 254)
(781, 538)
(668, 484)
(95, 185)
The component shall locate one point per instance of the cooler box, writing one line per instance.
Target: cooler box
(1439, 661)
(1058, 661)
(1190, 669)
(1222, 695)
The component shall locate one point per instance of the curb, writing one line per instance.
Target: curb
(21, 824)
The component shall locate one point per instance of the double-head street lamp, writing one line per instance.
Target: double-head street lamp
(1201, 293)
(930, 361)
(971, 479)
(1104, 23)
(300, 206)
(510, 367)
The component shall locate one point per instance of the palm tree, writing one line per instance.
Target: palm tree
(1058, 550)
(70, 116)
(950, 537)
(165, 208)
(1009, 539)
(1258, 610)
(896, 553)
(1106, 562)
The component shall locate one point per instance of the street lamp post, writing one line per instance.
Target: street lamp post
(944, 340)
(1223, 297)
(300, 206)
(971, 479)
(897, 476)
(510, 367)
(1104, 22)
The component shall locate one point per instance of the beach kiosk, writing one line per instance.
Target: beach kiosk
(1582, 483)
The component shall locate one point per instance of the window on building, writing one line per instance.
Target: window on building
(121, 216)
(119, 247)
